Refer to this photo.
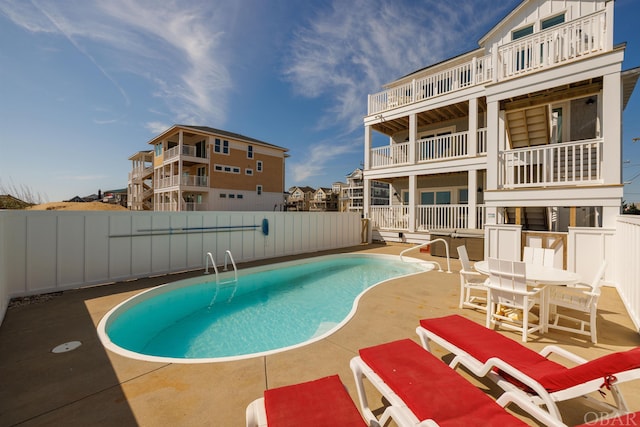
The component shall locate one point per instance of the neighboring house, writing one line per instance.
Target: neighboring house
(76, 199)
(119, 196)
(299, 198)
(7, 201)
(524, 130)
(198, 168)
(140, 188)
(324, 200)
(352, 193)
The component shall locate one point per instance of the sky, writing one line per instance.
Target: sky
(85, 84)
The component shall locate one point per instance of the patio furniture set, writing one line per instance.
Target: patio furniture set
(421, 390)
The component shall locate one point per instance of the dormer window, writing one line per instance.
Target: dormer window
(552, 22)
(522, 32)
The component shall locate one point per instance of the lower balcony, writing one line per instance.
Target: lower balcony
(427, 217)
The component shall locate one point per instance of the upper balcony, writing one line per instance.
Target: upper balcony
(190, 153)
(553, 47)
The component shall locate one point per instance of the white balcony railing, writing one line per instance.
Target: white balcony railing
(442, 147)
(427, 217)
(557, 45)
(140, 172)
(548, 48)
(471, 73)
(185, 181)
(571, 163)
(434, 217)
(436, 148)
(390, 155)
(187, 150)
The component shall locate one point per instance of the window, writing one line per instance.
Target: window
(227, 168)
(552, 22)
(463, 196)
(259, 165)
(522, 32)
(225, 147)
(216, 146)
(250, 152)
(223, 196)
(435, 198)
(158, 148)
(259, 189)
(443, 197)
(248, 171)
(236, 170)
(426, 198)
(240, 196)
(232, 196)
(218, 168)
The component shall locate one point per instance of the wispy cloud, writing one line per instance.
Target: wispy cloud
(352, 48)
(179, 48)
(319, 157)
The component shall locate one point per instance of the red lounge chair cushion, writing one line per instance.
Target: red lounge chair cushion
(482, 344)
(600, 368)
(320, 403)
(431, 389)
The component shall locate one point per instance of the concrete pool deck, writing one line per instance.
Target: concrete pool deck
(93, 386)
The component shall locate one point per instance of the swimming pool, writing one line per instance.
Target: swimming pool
(268, 309)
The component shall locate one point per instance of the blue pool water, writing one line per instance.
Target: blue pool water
(263, 311)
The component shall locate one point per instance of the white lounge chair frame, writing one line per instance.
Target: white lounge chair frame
(404, 417)
(540, 395)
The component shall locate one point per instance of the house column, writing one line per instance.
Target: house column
(413, 197)
(494, 142)
(367, 147)
(611, 129)
(413, 136)
(472, 194)
(366, 203)
(472, 138)
(179, 193)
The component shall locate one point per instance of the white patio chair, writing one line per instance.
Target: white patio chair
(473, 292)
(507, 287)
(538, 256)
(580, 297)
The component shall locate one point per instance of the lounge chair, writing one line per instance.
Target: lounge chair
(323, 402)
(424, 391)
(520, 370)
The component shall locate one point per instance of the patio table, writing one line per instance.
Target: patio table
(542, 277)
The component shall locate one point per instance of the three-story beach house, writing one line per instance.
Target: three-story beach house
(198, 168)
(524, 130)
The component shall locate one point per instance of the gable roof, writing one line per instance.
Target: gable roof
(218, 132)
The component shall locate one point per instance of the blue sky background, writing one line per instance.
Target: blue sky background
(85, 84)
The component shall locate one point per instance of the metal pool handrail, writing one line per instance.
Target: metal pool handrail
(446, 245)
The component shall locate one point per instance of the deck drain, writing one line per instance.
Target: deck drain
(68, 346)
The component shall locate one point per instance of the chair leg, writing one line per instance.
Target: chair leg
(592, 326)
(525, 322)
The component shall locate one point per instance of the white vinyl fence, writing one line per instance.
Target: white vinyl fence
(627, 267)
(45, 251)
